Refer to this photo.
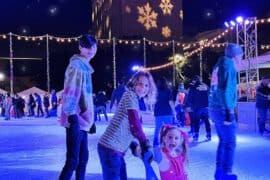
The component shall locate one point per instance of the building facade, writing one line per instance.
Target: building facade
(159, 20)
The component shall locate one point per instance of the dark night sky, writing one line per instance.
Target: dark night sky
(73, 17)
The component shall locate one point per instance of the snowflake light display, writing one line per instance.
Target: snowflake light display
(166, 6)
(147, 17)
(166, 32)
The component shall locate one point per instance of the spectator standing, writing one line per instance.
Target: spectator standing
(262, 104)
(77, 114)
(222, 103)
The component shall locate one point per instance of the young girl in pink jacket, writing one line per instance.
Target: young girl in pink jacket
(171, 156)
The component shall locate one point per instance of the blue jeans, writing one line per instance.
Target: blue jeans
(113, 164)
(227, 141)
(262, 116)
(160, 121)
(180, 115)
(77, 154)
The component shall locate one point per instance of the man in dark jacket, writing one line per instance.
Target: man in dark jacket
(222, 102)
(46, 104)
(53, 110)
(100, 105)
(39, 105)
(198, 96)
(262, 103)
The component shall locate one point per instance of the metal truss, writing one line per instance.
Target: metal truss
(246, 36)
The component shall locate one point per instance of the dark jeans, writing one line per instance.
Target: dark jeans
(113, 164)
(53, 111)
(39, 110)
(31, 111)
(262, 116)
(98, 111)
(201, 114)
(47, 111)
(227, 141)
(77, 153)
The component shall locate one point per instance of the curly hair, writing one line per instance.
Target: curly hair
(151, 95)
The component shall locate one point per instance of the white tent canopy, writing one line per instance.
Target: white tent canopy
(31, 90)
(2, 91)
(59, 93)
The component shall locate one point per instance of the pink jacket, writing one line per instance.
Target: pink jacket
(176, 170)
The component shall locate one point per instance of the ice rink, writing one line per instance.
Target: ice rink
(34, 149)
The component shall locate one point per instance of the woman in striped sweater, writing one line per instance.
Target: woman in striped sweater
(126, 126)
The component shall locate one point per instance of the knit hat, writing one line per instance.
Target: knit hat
(233, 50)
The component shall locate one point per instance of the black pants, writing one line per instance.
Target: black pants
(39, 110)
(77, 153)
(201, 114)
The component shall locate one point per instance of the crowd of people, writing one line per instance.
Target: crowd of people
(192, 106)
(15, 106)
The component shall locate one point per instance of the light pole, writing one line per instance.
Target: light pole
(2, 78)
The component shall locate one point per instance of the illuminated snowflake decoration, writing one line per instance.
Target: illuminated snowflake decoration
(166, 31)
(166, 6)
(147, 17)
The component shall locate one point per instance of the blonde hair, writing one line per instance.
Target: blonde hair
(151, 95)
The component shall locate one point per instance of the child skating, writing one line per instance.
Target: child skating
(171, 156)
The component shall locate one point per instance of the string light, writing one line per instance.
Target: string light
(114, 64)
(186, 46)
(144, 52)
(60, 39)
(263, 47)
(11, 61)
(187, 55)
(48, 62)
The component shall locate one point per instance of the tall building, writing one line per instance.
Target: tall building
(159, 20)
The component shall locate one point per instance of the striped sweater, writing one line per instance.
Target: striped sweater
(118, 135)
(77, 95)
